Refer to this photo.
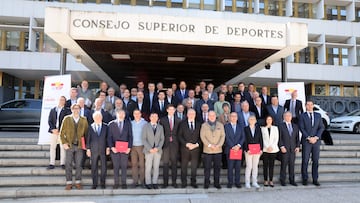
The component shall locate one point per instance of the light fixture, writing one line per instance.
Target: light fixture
(78, 58)
(229, 61)
(130, 77)
(267, 66)
(176, 58)
(207, 80)
(121, 56)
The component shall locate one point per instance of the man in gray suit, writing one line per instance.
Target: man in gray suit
(153, 140)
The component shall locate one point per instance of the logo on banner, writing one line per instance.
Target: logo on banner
(57, 85)
(290, 90)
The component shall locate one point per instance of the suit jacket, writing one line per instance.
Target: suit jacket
(214, 97)
(249, 139)
(245, 96)
(185, 135)
(53, 118)
(156, 108)
(173, 100)
(147, 100)
(232, 105)
(68, 103)
(129, 109)
(164, 121)
(67, 130)
(88, 115)
(232, 139)
(287, 141)
(271, 140)
(298, 107)
(97, 143)
(260, 116)
(112, 102)
(241, 119)
(209, 136)
(266, 101)
(107, 106)
(151, 140)
(179, 96)
(230, 96)
(114, 133)
(307, 129)
(145, 110)
(278, 116)
(182, 114)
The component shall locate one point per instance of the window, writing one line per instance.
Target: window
(334, 90)
(358, 91)
(320, 90)
(15, 104)
(348, 91)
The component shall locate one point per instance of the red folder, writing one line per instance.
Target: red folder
(121, 146)
(235, 155)
(254, 148)
(83, 145)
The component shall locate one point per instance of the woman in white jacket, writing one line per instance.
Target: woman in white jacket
(270, 135)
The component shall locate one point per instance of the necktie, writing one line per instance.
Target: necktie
(111, 100)
(290, 129)
(234, 128)
(292, 109)
(121, 127)
(162, 105)
(154, 128)
(98, 129)
(191, 125)
(180, 115)
(171, 123)
(311, 119)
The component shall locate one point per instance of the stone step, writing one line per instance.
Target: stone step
(16, 162)
(46, 154)
(42, 171)
(13, 140)
(340, 148)
(21, 181)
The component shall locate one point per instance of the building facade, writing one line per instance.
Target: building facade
(329, 65)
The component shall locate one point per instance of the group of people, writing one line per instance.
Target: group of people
(187, 125)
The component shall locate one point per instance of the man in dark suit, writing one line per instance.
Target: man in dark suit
(129, 105)
(170, 98)
(84, 111)
(289, 144)
(189, 138)
(150, 96)
(294, 106)
(266, 99)
(170, 124)
(73, 97)
(180, 112)
(142, 106)
(160, 104)
(311, 127)
(275, 110)
(234, 139)
(120, 130)
(55, 119)
(182, 92)
(97, 148)
(245, 95)
(204, 100)
(236, 103)
(203, 116)
(244, 114)
(260, 111)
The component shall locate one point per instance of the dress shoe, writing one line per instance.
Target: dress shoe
(103, 187)
(183, 185)
(175, 185)
(304, 182)
(123, 186)
(271, 184)
(206, 186)
(149, 187)
(266, 184)
(316, 183)
(155, 186)
(93, 187)
(283, 183)
(68, 187)
(116, 186)
(194, 185)
(217, 186)
(293, 184)
(229, 186)
(50, 167)
(78, 186)
(238, 185)
(63, 167)
(164, 186)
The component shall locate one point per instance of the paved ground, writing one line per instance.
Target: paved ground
(327, 193)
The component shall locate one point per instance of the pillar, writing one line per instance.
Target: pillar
(22, 41)
(3, 40)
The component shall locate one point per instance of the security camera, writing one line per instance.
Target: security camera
(267, 66)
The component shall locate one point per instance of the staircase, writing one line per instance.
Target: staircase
(23, 170)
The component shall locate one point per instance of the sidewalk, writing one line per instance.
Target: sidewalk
(339, 192)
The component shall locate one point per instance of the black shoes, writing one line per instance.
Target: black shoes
(293, 184)
(175, 185)
(316, 183)
(93, 187)
(103, 187)
(50, 167)
(229, 186)
(217, 186)
(194, 185)
(149, 187)
(283, 184)
(206, 186)
(155, 186)
(115, 187)
(238, 185)
(63, 167)
(304, 182)
(123, 186)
